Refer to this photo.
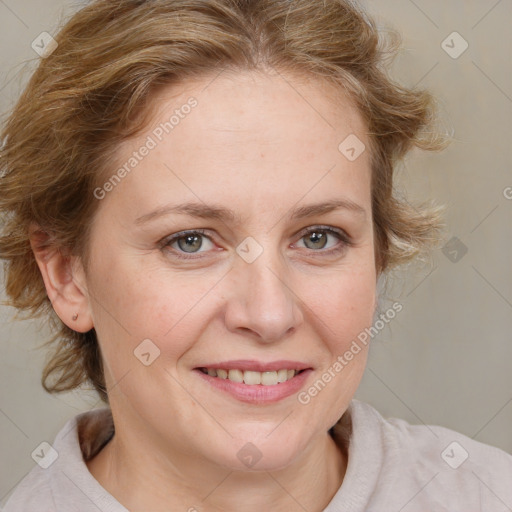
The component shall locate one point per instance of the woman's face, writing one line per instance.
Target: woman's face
(270, 283)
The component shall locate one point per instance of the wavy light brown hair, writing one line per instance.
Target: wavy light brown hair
(93, 92)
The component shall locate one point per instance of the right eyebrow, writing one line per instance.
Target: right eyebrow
(204, 211)
(199, 210)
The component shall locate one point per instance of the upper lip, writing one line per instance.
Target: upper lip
(257, 366)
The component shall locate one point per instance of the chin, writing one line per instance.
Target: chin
(261, 452)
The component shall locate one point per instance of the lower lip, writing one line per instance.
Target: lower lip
(257, 393)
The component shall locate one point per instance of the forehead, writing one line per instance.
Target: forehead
(247, 134)
(238, 100)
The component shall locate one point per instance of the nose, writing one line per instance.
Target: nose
(262, 302)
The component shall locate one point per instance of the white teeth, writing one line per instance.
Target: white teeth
(236, 375)
(282, 375)
(269, 378)
(251, 377)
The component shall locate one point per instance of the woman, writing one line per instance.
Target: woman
(202, 205)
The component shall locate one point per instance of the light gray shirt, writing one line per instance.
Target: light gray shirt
(393, 466)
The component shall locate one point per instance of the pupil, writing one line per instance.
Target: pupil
(317, 237)
(193, 242)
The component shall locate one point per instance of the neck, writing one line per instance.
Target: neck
(141, 479)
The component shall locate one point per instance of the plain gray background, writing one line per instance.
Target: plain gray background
(446, 358)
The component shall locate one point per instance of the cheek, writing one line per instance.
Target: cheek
(133, 303)
(341, 311)
(344, 306)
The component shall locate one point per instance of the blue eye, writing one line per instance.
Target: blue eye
(188, 242)
(318, 239)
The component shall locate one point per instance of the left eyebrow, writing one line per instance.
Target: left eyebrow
(204, 211)
(329, 206)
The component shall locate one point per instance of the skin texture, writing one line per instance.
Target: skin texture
(260, 144)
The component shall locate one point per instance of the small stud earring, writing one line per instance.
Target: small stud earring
(75, 316)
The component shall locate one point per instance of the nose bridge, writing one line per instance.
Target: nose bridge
(264, 302)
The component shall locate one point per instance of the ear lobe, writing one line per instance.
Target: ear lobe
(62, 275)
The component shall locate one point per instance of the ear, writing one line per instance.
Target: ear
(64, 279)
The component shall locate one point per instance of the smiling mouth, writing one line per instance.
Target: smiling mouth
(253, 378)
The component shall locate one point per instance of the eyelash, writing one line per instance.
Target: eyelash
(340, 234)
